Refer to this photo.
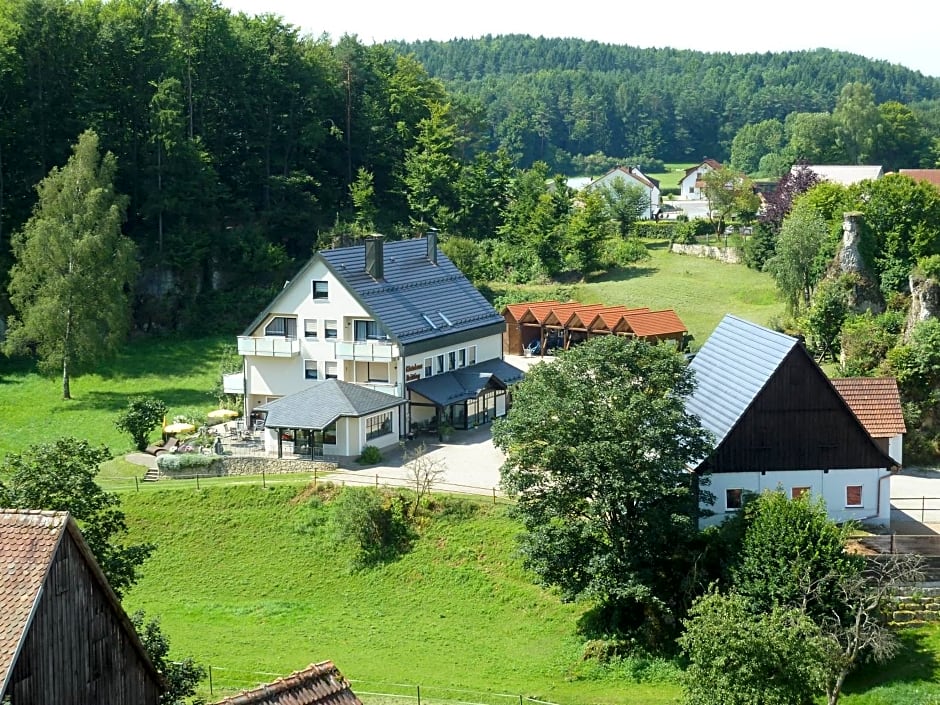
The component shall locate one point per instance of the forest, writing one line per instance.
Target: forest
(241, 145)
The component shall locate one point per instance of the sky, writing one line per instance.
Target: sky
(902, 32)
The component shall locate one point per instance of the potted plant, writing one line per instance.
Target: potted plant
(446, 431)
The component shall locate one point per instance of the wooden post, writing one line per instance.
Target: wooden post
(376, 481)
(494, 495)
(419, 694)
(136, 484)
(264, 484)
(314, 477)
(210, 680)
(197, 480)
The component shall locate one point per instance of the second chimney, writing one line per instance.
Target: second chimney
(375, 257)
(431, 237)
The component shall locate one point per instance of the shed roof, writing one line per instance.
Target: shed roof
(650, 324)
(929, 175)
(731, 368)
(461, 385)
(322, 403)
(318, 684)
(612, 316)
(29, 540)
(875, 401)
(517, 311)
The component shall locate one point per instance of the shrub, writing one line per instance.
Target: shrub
(619, 252)
(372, 524)
(140, 418)
(656, 229)
(370, 456)
(183, 461)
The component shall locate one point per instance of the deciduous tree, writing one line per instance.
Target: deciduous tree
(60, 476)
(597, 447)
(181, 676)
(792, 266)
(74, 270)
(139, 419)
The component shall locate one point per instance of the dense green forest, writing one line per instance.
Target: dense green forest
(242, 145)
(551, 99)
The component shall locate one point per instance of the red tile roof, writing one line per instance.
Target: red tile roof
(929, 175)
(611, 317)
(319, 683)
(28, 542)
(579, 317)
(518, 310)
(652, 324)
(711, 162)
(875, 401)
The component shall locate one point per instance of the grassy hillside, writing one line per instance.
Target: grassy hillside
(251, 580)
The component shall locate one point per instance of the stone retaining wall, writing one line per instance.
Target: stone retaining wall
(728, 255)
(249, 465)
(916, 606)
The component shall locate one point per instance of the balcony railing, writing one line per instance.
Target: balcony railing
(392, 389)
(366, 350)
(268, 347)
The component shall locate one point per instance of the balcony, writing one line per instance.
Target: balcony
(367, 350)
(385, 388)
(268, 347)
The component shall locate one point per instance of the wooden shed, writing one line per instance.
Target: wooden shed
(64, 637)
(515, 337)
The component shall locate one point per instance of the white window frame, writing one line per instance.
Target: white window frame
(740, 500)
(439, 364)
(310, 329)
(311, 365)
(461, 358)
(330, 365)
(451, 360)
(327, 328)
(428, 366)
(861, 496)
(472, 355)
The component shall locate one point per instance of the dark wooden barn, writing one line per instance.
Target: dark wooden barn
(64, 637)
(779, 422)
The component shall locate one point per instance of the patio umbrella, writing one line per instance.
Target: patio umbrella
(180, 427)
(222, 414)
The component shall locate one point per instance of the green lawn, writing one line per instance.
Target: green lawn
(249, 581)
(180, 372)
(672, 175)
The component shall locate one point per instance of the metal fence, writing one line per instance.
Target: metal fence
(224, 682)
(339, 477)
(925, 510)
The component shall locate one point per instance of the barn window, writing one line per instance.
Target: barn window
(733, 499)
(853, 496)
(797, 492)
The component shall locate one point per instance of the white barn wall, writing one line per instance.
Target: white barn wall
(829, 485)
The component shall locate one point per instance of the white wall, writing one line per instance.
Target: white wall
(896, 448)
(687, 184)
(488, 348)
(829, 485)
(651, 192)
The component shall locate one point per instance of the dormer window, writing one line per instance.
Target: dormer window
(321, 291)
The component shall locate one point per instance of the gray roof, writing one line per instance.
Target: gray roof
(731, 369)
(323, 402)
(845, 174)
(416, 300)
(467, 383)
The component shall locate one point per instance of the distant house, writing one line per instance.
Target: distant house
(384, 317)
(931, 176)
(691, 186)
(778, 422)
(876, 402)
(844, 174)
(634, 177)
(318, 684)
(64, 637)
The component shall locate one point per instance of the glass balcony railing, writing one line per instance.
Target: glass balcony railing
(366, 350)
(268, 347)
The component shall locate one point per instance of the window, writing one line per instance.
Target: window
(321, 290)
(310, 328)
(452, 360)
(282, 327)
(329, 435)
(427, 367)
(472, 355)
(853, 496)
(329, 330)
(733, 499)
(462, 357)
(330, 370)
(367, 330)
(377, 426)
(797, 492)
(439, 368)
(310, 369)
(377, 371)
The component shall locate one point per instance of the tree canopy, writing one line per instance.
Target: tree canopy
(597, 446)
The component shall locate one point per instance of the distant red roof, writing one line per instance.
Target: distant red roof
(652, 324)
(517, 311)
(711, 162)
(876, 402)
(929, 175)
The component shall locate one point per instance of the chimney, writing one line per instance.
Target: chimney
(431, 237)
(375, 257)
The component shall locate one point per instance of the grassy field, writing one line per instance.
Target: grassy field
(180, 372)
(672, 175)
(250, 580)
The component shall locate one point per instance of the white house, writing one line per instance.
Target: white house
(634, 177)
(779, 423)
(690, 186)
(398, 319)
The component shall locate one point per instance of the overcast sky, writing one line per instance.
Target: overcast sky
(903, 32)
